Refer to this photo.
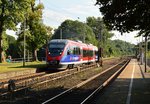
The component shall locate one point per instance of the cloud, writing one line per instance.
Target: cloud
(128, 37)
(54, 16)
(57, 16)
(87, 9)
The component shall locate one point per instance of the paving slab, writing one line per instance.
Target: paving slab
(132, 86)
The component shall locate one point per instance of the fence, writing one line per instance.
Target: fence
(30, 59)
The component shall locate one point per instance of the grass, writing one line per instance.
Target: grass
(7, 67)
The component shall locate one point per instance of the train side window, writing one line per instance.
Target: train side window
(68, 52)
(76, 51)
(91, 53)
(84, 53)
(71, 49)
(79, 51)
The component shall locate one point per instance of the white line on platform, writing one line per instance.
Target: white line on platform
(130, 87)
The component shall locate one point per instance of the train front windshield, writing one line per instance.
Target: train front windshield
(56, 49)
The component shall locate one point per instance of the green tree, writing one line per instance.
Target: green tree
(37, 39)
(49, 32)
(96, 24)
(11, 39)
(37, 33)
(12, 50)
(119, 48)
(4, 45)
(11, 13)
(126, 15)
(75, 30)
(101, 32)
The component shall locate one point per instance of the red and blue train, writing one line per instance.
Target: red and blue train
(63, 53)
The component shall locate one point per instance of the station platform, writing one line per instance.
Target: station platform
(132, 86)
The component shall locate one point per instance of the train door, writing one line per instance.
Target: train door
(81, 54)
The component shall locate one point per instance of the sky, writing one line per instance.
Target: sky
(55, 12)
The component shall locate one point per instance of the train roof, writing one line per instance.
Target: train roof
(59, 41)
(65, 41)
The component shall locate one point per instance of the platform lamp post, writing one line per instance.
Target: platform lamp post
(24, 44)
(100, 40)
(145, 53)
(85, 32)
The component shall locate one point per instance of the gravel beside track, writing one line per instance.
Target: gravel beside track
(37, 94)
(76, 96)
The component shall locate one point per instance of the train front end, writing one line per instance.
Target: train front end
(54, 54)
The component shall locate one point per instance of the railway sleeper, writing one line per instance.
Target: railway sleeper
(11, 85)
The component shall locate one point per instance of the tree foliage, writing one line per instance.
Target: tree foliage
(5, 41)
(98, 27)
(101, 32)
(37, 33)
(120, 48)
(13, 49)
(49, 32)
(75, 30)
(4, 45)
(11, 13)
(126, 15)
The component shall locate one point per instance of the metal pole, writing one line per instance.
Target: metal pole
(100, 39)
(145, 53)
(24, 47)
(125, 47)
(142, 52)
(139, 51)
(99, 51)
(84, 31)
(28, 55)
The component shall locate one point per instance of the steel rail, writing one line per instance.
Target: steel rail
(80, 84)
(4, 82)
(86, 100)
(46, 78)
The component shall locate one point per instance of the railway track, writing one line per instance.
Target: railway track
(83, 92)
(28, 85)
(4, 82)
(26, 80)
(91, 96)
(22, 83)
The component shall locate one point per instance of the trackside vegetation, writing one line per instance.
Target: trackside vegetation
(8, 67)
(34, 34)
